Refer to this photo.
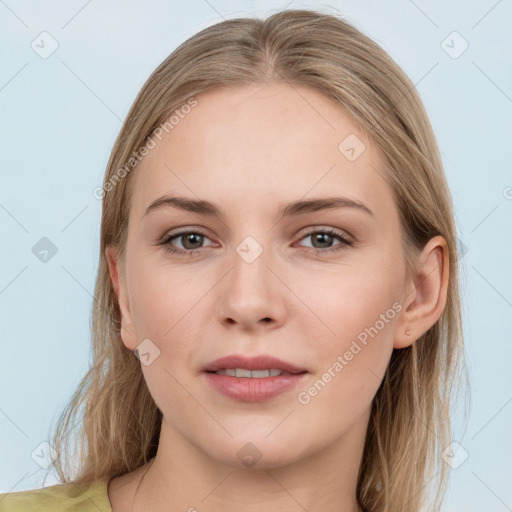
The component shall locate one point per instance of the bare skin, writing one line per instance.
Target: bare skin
(251, 150)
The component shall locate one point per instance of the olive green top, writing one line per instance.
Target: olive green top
(59, 498)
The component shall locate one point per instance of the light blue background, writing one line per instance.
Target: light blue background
(59, 119)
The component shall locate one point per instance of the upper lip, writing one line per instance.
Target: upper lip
(262, 362)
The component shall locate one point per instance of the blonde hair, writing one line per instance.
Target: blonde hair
(118, 423)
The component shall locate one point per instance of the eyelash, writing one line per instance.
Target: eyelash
(344, 242)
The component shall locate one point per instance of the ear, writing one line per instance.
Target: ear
(119, 283)
(427, 292)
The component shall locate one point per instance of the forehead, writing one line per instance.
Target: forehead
(246, 145)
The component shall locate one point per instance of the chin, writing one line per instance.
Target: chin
(258, 452)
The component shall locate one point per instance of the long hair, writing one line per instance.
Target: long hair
(117, 423)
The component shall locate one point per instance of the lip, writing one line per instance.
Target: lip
(262, 362)
(249, 389)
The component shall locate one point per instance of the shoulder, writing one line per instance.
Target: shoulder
(69, 497)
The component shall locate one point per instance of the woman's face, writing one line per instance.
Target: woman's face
(263, 272)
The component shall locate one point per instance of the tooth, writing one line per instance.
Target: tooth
(255, 374)
(260, 373)
(242, 372)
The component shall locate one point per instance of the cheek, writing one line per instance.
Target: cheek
(160, 296)
(165, 305)
(168, 307)
(350, 299)
(351, 362)
(357, 311)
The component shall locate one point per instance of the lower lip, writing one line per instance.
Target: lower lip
(250, 389)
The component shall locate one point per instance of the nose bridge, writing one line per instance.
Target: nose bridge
(251, 293)
(250, 275)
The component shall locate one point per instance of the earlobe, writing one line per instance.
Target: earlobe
(427, 298)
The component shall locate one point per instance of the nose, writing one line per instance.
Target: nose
(252, 297)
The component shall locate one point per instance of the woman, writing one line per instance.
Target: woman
(278, 251)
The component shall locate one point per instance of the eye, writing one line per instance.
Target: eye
(191, 242)
(323, 238)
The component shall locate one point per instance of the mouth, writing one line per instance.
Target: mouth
(244, 373)
(252, 379)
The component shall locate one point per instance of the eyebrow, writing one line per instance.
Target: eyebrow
(203, 207)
